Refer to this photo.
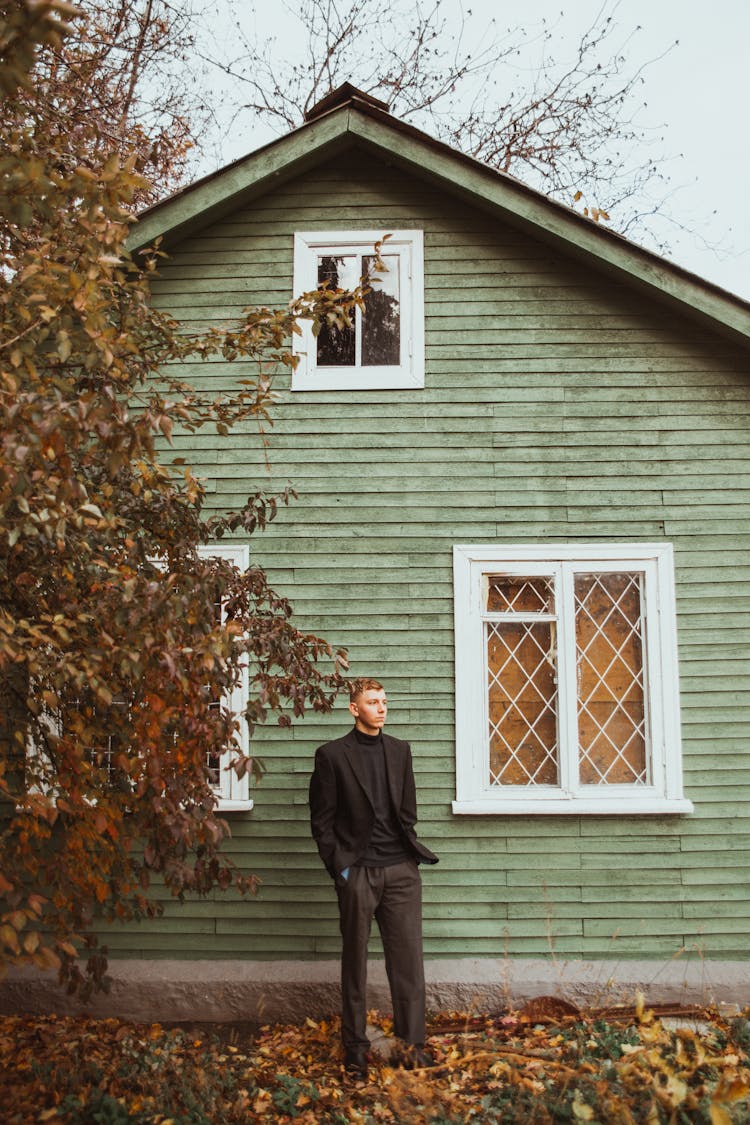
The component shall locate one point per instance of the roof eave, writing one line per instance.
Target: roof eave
(549, 221)
(357, 122)
(218, 194)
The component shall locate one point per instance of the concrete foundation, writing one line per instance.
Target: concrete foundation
(259, 992)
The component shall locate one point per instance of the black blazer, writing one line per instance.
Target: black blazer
(341, 810)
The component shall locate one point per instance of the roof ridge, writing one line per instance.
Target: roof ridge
(341, 96)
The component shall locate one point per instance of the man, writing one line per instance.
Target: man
(363, 809)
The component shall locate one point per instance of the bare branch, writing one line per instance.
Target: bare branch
(568, 126)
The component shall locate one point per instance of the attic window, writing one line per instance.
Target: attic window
(384, 347)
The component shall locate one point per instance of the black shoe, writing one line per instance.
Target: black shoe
(415, 1056)
(355, 1062)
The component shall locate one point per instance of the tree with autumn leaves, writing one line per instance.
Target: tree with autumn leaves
(112, 658)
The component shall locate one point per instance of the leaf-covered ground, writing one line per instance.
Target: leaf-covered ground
(539, 1065)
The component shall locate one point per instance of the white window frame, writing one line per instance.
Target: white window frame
(474, 794)
(409, 374)
(233, 791)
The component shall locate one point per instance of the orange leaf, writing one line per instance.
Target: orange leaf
(17, 919)
(31, 942)
(9, 938)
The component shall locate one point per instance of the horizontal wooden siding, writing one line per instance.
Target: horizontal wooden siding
(559, 406)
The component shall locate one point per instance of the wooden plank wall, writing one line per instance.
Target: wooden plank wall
(559, 406)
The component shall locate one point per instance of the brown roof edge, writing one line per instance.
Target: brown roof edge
(341, 96)
(357, 101)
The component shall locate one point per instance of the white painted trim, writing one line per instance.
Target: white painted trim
(409, 374)
(571, 806)
(227, 804)
(519, 553)
(233, 791)
(474, 795)
(234, 796)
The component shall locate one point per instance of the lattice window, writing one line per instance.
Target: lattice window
(233, 792)
(73, 717)
(105, 757)
(521, 680)
(213, 759)
(612, 733)
(566, 679)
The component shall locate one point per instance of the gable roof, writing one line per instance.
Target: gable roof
(347, 117)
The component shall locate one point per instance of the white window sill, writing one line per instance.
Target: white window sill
(356, 379)
(573, 806)
(226, 805)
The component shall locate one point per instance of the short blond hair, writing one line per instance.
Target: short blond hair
(362, 684)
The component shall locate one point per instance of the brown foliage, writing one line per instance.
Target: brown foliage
(496, 1071)
(112, 659)
(115, 82)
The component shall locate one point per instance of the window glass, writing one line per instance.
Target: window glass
(336, 346)
(567, 693)
(522, 703)
(374, 339)
(381, 319)
(233, 792)
(382, 347)
(612, 730)
(213, 758)
(508, 593)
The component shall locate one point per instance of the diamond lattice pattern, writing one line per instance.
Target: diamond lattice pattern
(508, 593)
(609, 665)
(522, 696)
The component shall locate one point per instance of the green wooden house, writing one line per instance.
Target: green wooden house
(523, 482)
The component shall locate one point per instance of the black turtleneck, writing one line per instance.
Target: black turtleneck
(386, 845)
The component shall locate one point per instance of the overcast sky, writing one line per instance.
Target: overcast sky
(697, 97)
(700, 92)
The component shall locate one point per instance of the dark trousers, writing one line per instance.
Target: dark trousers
(393, 896)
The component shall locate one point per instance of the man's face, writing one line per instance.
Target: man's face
(369, 709)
